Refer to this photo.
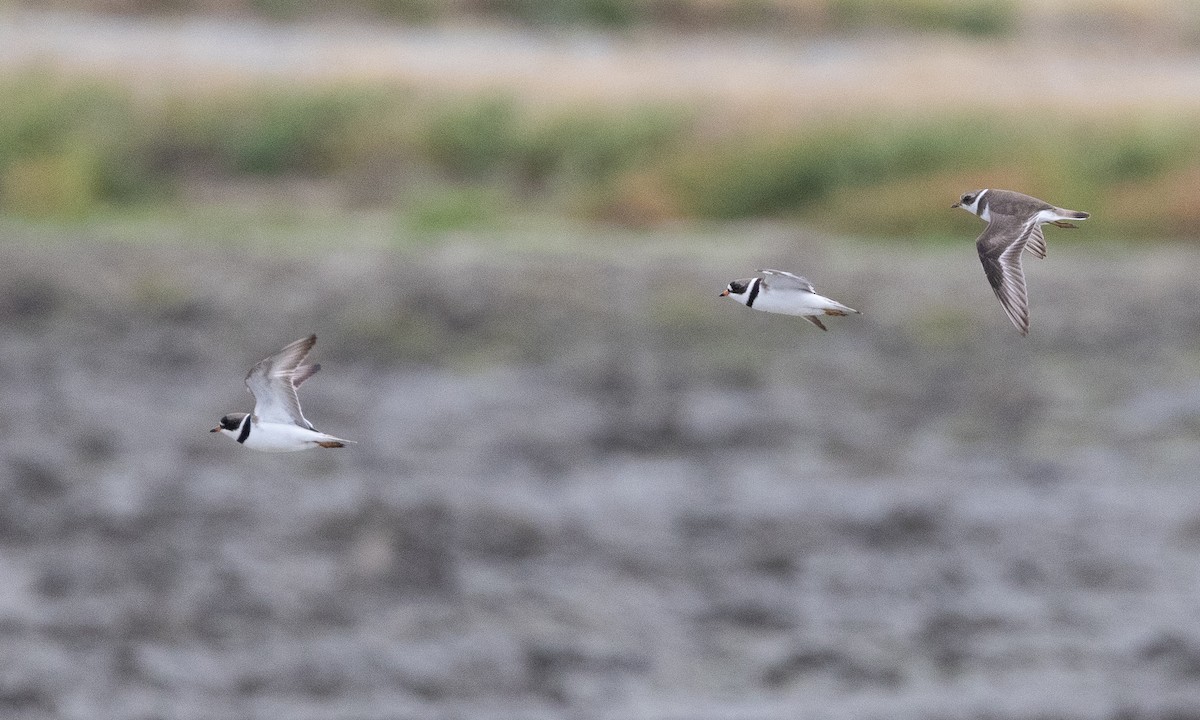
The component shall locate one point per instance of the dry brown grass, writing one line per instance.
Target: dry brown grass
(731, 78)
(772, 85)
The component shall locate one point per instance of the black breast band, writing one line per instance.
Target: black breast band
(753, 292)
(245, 433)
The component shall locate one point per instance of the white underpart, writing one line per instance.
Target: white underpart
(796, 302)
(281, 437)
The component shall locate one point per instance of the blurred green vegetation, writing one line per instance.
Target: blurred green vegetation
(968, 17)
(454, 208)
(971, 17)
(70, 147)
(66, 146)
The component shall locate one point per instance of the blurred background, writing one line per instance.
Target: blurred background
(585, 486)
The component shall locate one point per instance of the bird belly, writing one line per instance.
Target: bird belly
(791, 304)
(281, 437)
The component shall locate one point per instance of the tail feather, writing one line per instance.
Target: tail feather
(335, 442)
(839, 309)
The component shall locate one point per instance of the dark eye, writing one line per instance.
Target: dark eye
(968, 199)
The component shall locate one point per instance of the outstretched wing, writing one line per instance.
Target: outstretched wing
(784, 279)
(1000, 248)
(273, 381)
(1036, 243)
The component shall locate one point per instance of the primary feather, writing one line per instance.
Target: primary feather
(273, 382)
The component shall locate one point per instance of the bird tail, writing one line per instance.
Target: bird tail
(1074, 214)
(836, 308)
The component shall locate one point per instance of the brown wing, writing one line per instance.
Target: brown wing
(1000, 248)
(1036, 243)
(1015, 204)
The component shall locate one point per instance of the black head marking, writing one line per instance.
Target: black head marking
(233, 421)
(738, 287)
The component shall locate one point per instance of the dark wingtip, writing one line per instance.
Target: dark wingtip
(303, 373)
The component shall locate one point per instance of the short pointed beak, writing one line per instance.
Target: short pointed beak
(724, 294)
(955, 205)
(216, 429)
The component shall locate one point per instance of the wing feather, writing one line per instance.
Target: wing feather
(1000, 247)
(273, 380)
(1036, 243)
(785, 279)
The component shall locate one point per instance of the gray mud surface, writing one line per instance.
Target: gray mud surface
(584, 487)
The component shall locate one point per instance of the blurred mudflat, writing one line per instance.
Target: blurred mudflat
(587, 487)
